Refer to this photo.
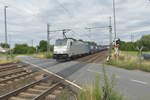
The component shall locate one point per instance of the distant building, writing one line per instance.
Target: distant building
(3, 50)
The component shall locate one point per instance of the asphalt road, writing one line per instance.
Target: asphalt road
(134, 85)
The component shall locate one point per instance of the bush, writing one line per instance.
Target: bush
(4, 45)
(23, 49)
(43, 46)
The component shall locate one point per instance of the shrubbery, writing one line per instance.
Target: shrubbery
(23, 49)
(43, 46)
(4, 45)
(132, 46)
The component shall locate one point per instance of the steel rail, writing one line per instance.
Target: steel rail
(11, 67)
(12, 73)
(16, 77)
(48, 91)
(17, 91)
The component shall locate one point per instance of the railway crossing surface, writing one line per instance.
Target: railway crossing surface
(134, 85)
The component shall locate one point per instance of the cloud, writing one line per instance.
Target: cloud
(27, 19)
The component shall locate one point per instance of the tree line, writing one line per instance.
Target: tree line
(42, 46)
(132, 46)
(26, 49)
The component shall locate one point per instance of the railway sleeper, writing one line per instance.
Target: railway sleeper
(38, 87)
(15, 77)
(16, 98)
(39, 90)
(26, 95)
(35, 92)
(50, 97)
(13, 73)
(56, 92)
(12, 67)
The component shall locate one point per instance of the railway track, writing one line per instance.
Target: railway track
(22, 82)
(8, 64)
(94, 58)
(38, 90)
(11, 67)
(4, 79)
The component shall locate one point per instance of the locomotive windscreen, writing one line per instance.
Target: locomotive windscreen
(61, 42)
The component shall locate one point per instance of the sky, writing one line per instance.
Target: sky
(27, 19)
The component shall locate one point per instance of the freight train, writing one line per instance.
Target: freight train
(70, 48)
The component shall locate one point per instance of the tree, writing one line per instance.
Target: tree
(145, 42)
(132, 46)
(4, 45)
(128, 46)
(42, 46)
(23, 49)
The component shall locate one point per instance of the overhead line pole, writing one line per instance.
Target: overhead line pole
(5, 22)
(110, 37)
(48, 38)
(114, 15)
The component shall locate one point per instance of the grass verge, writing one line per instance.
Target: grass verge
(5, 61)
(43, 55)
(100, 91)
(133, 53)
(130, 62)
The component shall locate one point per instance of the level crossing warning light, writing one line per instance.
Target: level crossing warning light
(116, 47)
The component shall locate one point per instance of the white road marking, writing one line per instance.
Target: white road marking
(89, 70)
(140, 82)
(72, 83)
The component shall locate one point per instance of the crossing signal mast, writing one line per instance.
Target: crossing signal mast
(116, 47)
(116, 41)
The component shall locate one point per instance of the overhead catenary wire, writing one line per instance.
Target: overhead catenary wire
(76, 34)
(62, 6)
(67, 11)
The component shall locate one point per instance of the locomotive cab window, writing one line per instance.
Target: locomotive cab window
(70, 43)
(60, 42)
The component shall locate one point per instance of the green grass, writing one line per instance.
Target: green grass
(100, 91)
(3, 54)
(130, 62)
(36, 55)
(134, 53)
(42, 55)
(5, 61)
